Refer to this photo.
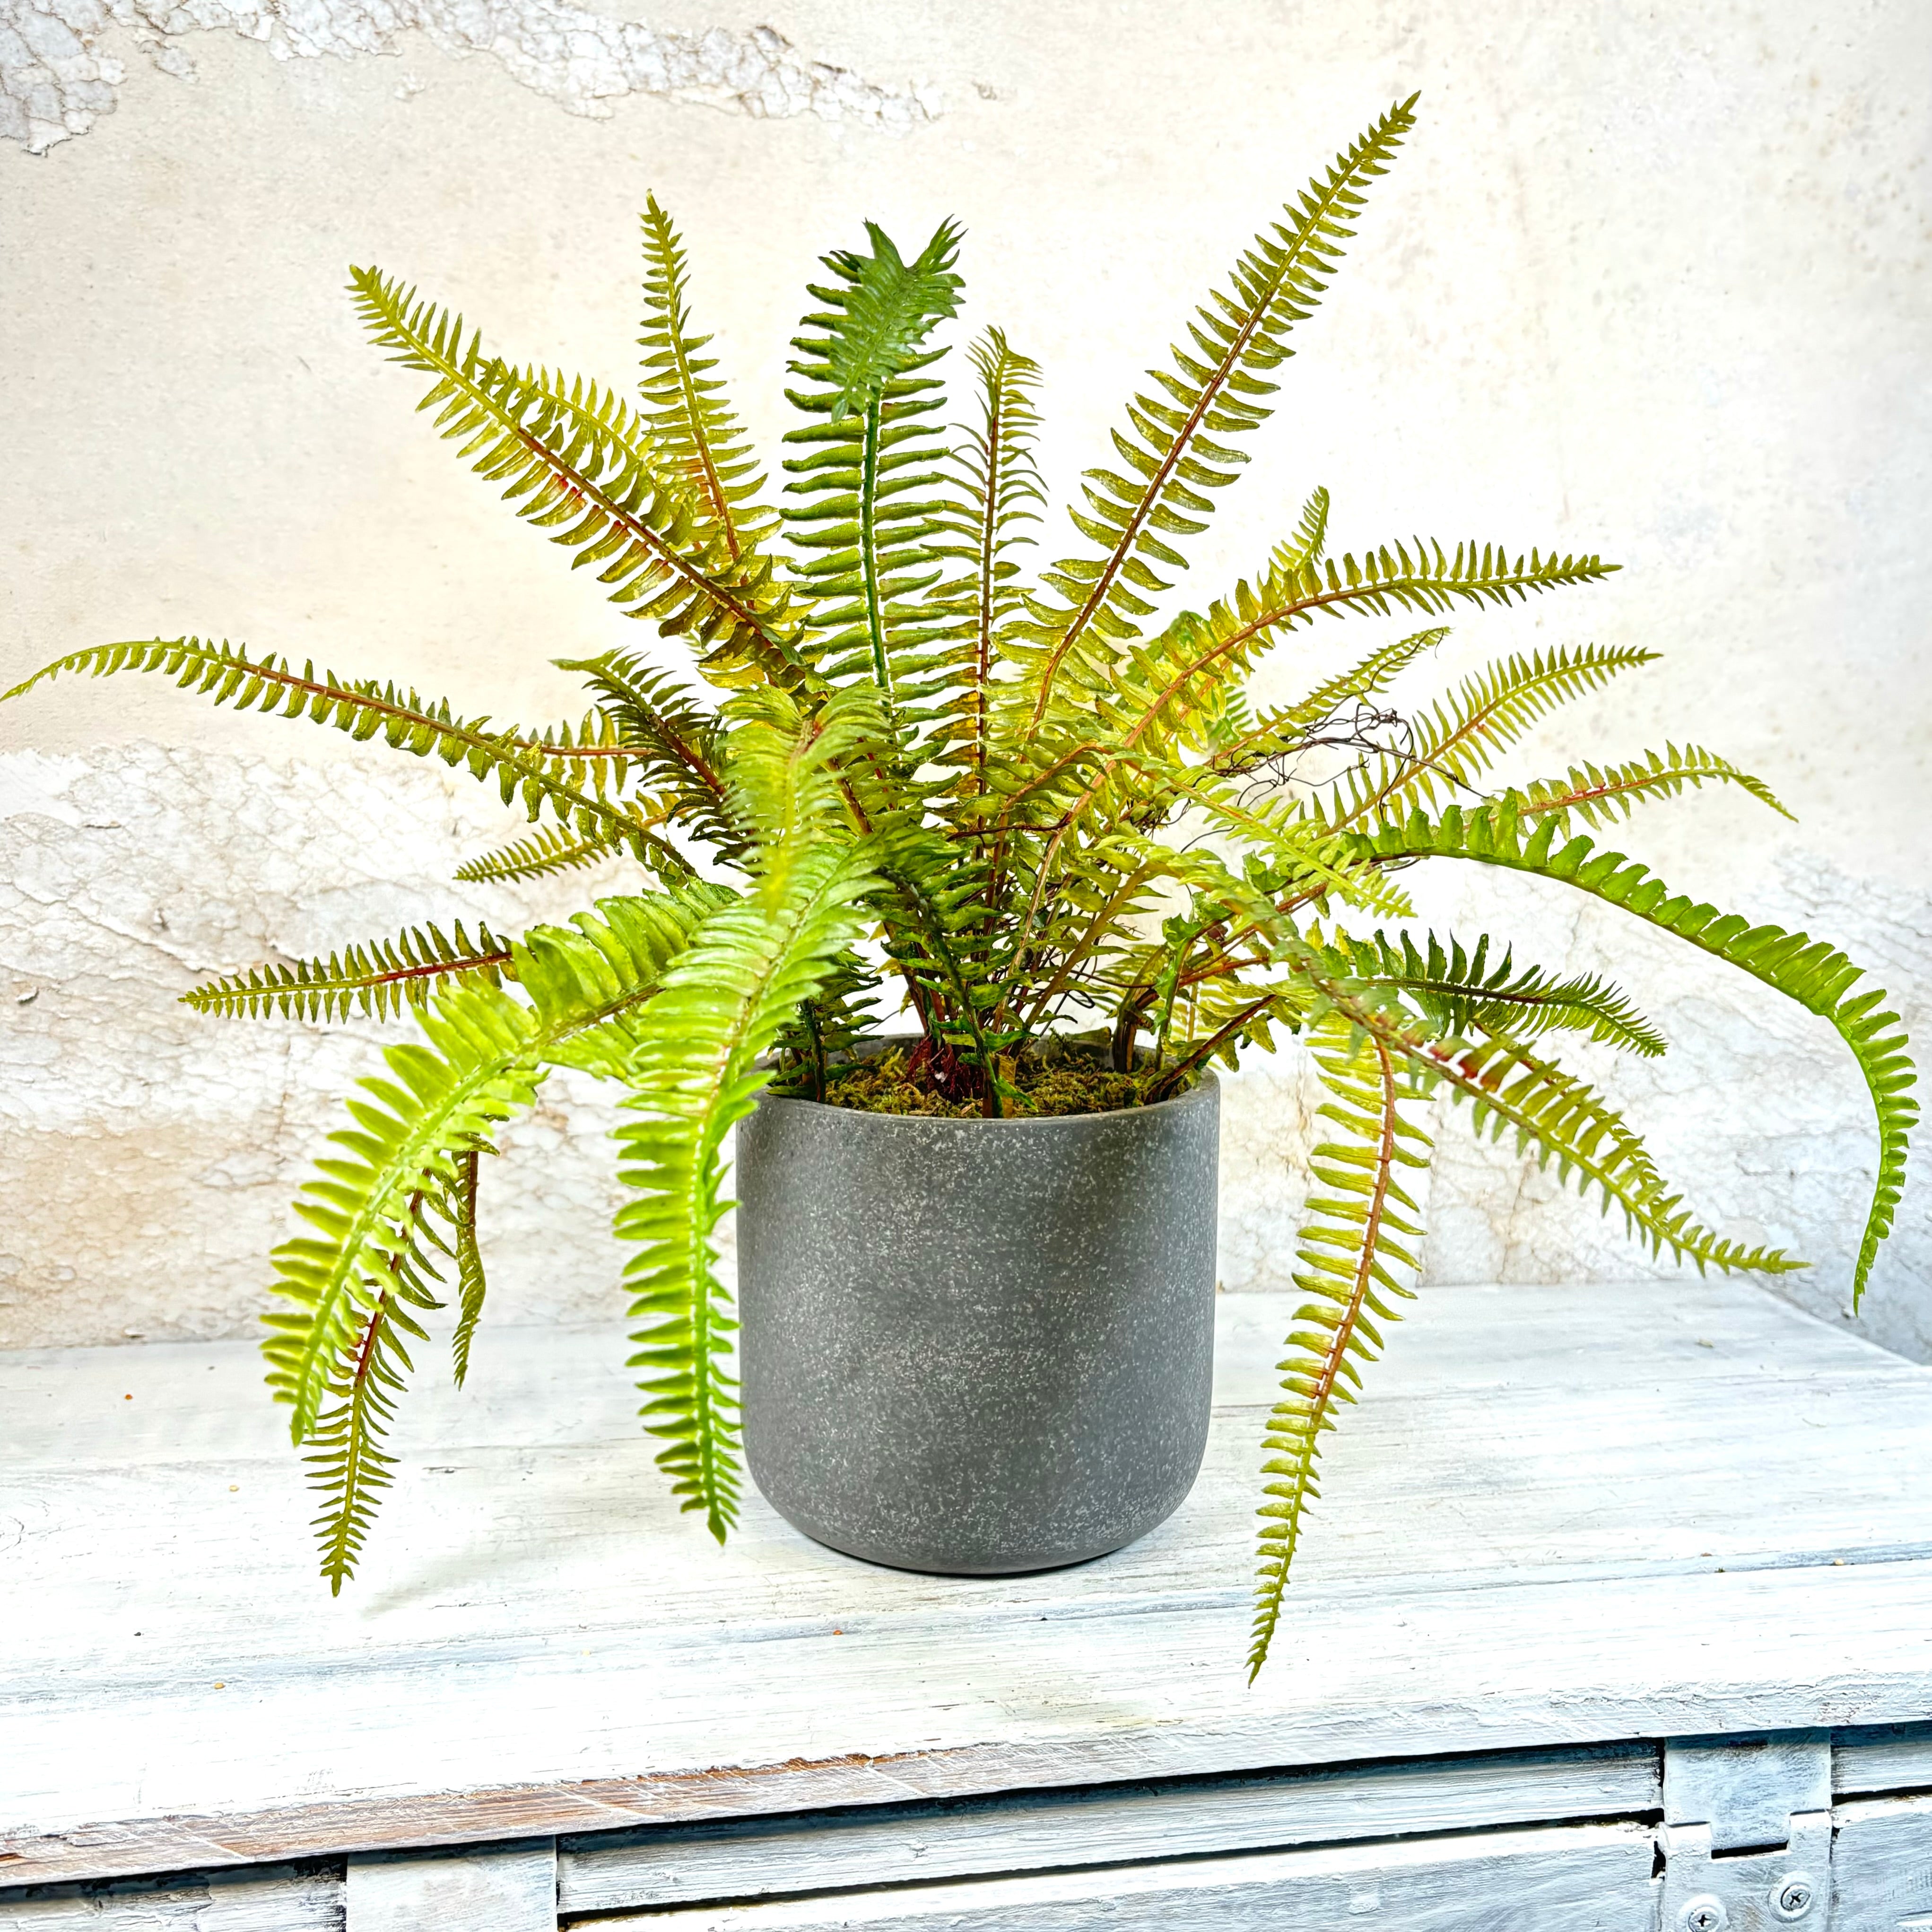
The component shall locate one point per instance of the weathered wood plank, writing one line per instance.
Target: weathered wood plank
(1887, 1758)
(754, 1858)
(1558, 1518)
(272, 1901)
(1585, 1878)
(1881, 1865)
(480, 1889)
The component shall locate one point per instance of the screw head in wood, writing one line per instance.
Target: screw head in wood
(1791, 1897)
(1704, 1913)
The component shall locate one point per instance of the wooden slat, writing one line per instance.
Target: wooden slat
(480, 1888)
(272, 1901)
(754, 1858)
(1558, 1518)
(1881, 1865)
(1883, 1758)
(1586, 1878)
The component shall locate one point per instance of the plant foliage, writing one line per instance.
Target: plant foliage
(893, 764)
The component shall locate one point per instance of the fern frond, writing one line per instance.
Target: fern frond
(868, 481)
(1460, 736)
(471, 1285)
(999, 481)
(335, 1350)
(887, 309)
(674, 738)
(378, 979)
(1357, 1247)
(1459, 994)
(1562, 1119)
(1814, 974)
(749, 968)
(1173, 450)
(574, 459)
(336, 1353)
(549, 849)
(446, 1098)
(693, 428)
(347, 1462)
(527, 769)
(590, 980)
(1600, 795)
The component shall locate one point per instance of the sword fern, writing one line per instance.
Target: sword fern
(892, 754)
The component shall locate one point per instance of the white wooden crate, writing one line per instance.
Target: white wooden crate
(1567, 1525)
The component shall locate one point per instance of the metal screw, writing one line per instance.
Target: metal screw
(1704, 1913)
(1792, 1897)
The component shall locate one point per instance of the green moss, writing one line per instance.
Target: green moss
(1062, 1082)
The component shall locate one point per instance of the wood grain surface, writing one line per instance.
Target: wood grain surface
(1560, 1516)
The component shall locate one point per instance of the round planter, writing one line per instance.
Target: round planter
(977, 1347)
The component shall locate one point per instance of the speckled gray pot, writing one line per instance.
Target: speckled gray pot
(977, 1347)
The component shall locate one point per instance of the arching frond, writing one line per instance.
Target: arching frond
(1816, 976)
(1175, 448)
(1459, 993)
(1600, 795)
(574, 459)
(677, 740)
(1454, 743)
(378, 979)
(547, 850)
(538, 775)
(1357, 1252)
(749, 967)
(692, 425)
(336, 1349)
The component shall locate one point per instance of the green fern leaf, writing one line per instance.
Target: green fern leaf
(539, 774)
(694, 429)
(470, 1284)
(889, 308)
(999, 484)
(1173, 450)
(574, 459)
(676, 742)
(1358, 1243)
(1459, 994)
(378, 979)
(1600, 795)
(747, 970)
(550, 849)
(1816, 976)
(1460, 737)
(869, 481)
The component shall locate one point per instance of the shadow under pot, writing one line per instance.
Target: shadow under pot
(977, 1347)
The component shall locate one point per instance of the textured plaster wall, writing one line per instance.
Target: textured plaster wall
(1652, 282)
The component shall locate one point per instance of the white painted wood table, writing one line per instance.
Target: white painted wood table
(1618, 1615)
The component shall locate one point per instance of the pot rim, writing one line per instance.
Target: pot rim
(1206, 1083)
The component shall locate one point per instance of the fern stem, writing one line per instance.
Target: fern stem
(868, 557)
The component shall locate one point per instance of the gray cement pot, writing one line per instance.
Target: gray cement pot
(977, 1347)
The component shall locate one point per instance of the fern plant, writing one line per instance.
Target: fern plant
(910, 777)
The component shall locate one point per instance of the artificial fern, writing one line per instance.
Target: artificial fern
(886, 756)
(378, 979)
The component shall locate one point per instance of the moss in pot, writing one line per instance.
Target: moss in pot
(1036, 815)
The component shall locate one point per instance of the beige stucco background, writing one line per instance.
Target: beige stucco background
(1651, 281)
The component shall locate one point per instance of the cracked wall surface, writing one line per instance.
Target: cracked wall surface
(57, 75)
(1657, 285)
